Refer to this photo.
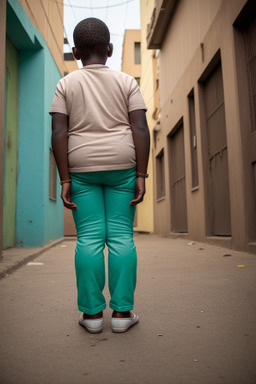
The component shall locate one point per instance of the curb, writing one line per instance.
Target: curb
(9, 269)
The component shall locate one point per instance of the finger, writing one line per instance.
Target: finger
(137, 200)
(68, 204)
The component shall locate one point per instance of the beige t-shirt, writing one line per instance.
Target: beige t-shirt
(97, 101)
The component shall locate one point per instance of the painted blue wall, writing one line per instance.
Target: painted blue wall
(38, 219)
(53, 212)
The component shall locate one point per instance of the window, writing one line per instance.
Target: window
(52, 177)
(138, 80)
(68, 56)
(193, 139)
(160, 178)
(137, 53)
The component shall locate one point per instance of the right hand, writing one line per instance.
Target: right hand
(140, 191)
(65, 195)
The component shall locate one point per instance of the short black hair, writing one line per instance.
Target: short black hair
(90, 33)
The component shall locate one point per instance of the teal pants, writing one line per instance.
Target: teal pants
(104, 217)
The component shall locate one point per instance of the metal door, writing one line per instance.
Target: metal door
(217, 155)
(178, 182)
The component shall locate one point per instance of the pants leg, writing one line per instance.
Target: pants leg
(122, 261)
(91, 236)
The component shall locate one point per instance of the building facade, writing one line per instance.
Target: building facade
(131, 54)
(204, 153)
(31, 65)
(132, 61)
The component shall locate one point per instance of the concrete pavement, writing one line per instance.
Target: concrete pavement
(197, 309)
(14, 258)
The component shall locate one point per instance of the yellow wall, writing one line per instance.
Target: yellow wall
(71, 66)
(145, 216)
(144, 212)
(47, 17)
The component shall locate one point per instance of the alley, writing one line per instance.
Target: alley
(197, 311)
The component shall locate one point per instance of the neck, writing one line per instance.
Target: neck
(94, 60)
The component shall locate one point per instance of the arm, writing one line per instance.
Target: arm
(141, 140)
(60, 150)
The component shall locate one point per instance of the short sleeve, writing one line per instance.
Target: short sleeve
(135, 99)
(59, 100)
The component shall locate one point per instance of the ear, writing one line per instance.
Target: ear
(76, 53)
(110, 50)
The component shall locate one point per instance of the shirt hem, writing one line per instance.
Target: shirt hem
(137, 107)
(58, 110)
(102, 168)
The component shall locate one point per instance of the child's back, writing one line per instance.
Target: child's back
(100, 140)
(98, 101)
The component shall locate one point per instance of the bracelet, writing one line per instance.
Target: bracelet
(144, 175)
(65, 181)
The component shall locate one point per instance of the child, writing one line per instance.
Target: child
(100, 141)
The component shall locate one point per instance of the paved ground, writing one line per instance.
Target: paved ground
(197, 325)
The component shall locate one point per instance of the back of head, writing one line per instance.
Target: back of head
(91, 34)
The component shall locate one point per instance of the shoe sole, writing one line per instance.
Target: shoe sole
(125, 329)
(91, 330)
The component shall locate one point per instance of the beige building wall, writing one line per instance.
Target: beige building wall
(199, 36)
(71, 65)
(129, 65)
(47, 17)
(184, 38)
(144, 221)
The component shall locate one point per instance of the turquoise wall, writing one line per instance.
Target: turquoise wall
(53, 213)
(30, 191)
(38, 219)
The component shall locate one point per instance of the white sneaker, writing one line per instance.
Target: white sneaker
(122, 325)
(91, 325)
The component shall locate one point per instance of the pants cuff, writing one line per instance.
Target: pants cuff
(121, 309)
(92, 311)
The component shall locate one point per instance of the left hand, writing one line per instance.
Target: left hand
(140, 191)
(65, 195)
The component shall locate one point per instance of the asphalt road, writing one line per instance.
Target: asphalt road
(197, 309)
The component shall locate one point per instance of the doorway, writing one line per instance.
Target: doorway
(217, 155)
(178, 197)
